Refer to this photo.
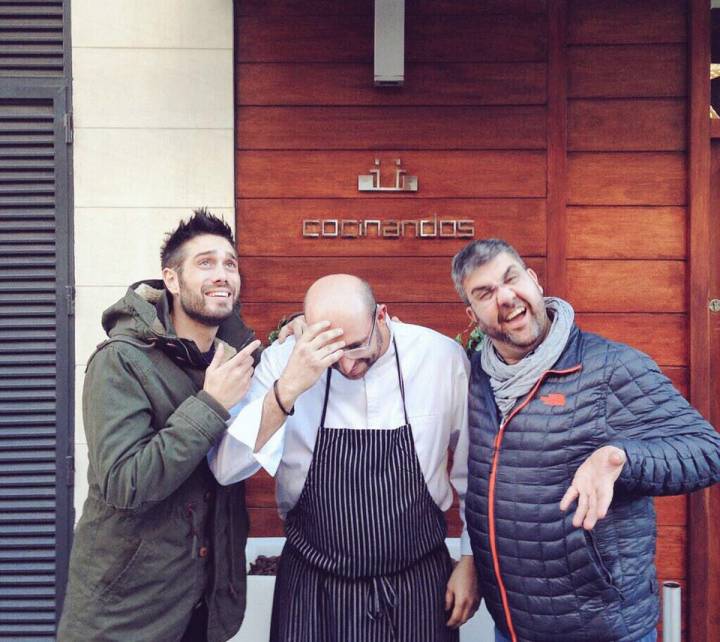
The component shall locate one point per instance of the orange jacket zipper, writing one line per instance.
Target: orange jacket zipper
(491, 492)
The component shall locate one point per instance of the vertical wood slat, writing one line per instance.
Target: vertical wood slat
(703, 530)
(557, 149)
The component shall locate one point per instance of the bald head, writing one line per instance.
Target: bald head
(339, 298)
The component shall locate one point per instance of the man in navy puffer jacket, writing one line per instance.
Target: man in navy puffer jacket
(559, 416)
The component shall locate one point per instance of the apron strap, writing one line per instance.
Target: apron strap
(402, 383)
(325, 401)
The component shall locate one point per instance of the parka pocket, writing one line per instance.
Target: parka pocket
(597, 560)
(130, 575)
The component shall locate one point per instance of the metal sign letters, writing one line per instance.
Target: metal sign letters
(427, 228)
(423, 228)
(403, 183)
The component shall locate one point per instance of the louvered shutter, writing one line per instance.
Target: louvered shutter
(31, 38)
(35, 366)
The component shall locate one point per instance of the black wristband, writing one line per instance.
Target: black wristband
(279, 403)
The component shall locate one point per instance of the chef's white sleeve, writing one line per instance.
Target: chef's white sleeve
(234, 458)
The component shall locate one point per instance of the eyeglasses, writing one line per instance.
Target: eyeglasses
(366, 348)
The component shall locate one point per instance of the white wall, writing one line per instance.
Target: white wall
(153, 110)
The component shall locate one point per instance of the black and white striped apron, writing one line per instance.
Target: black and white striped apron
(365, 558)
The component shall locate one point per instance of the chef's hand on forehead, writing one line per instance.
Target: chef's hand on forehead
(315, 351)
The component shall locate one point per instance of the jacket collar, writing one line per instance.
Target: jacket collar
(144, 314)
(569, 358)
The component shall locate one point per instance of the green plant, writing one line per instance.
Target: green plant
(273, 334)
(470, 339)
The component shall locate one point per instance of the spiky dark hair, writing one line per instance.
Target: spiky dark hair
(201, 222)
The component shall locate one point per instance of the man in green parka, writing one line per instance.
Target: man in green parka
(159, 550)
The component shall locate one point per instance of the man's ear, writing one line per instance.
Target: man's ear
(534, 277)
(381, 312)
(170, 278)
(471, 314)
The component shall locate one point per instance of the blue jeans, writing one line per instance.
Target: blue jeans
(650, 637)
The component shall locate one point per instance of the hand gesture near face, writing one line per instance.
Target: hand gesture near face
(295, 327)
(228, 382)
(315, 351)
(593, 486)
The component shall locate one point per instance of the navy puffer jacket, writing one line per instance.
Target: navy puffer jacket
(542, 579)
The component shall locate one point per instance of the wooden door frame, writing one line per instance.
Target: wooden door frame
(703, 530)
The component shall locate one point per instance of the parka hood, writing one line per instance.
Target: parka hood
(143, 314)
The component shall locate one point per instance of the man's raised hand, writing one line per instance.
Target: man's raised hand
(228, 382)
(315, 351)
(593, 486)
(295, 327)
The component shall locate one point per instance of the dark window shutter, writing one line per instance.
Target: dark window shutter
(34, 494)
(31, 38)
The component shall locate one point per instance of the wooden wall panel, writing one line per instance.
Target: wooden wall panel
(273, 227)
(680, 378)
(627, 232)
(261, 493)
(264, 522)
(504, 7)
(399, 128)
(652, 71)
(474, 123)
(626, 22)
(662, 336)
(485, 174)
(305, 101)
(670, 555)
(671, 511)
(334, 37)
(351, 84)
(342, 37)
(365, 7)
(627, 125)
(658, 178)
(295, 8)
(449, 317)
(704, 255)
(424, 279)
(557, 115)
(627, 286)
(455, 37)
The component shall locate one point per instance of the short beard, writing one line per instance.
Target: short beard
(208, 320)
(507, 339)
(194, 307)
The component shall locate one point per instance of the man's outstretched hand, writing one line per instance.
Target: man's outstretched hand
(593, 486)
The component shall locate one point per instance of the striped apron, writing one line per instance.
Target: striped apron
(365, 558)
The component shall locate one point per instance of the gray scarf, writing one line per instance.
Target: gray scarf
(510, 382)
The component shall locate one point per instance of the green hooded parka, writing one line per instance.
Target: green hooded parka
(157, 533)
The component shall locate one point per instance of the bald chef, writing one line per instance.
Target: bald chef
(355, 419)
